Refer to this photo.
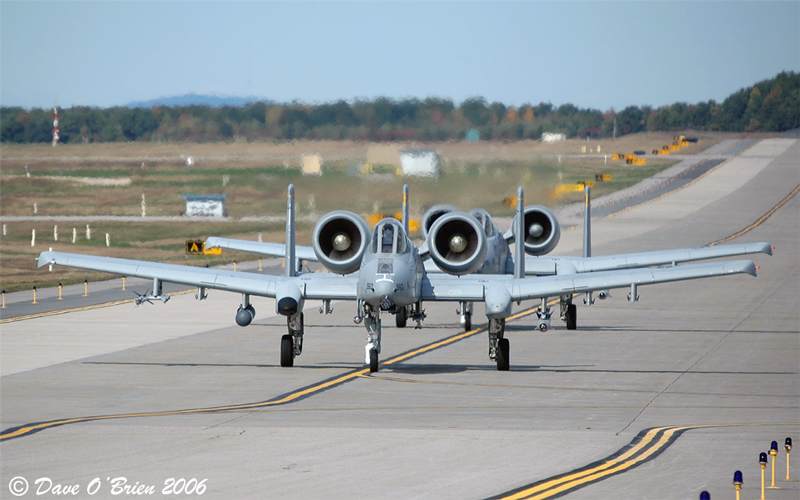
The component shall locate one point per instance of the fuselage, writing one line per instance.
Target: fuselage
(391, 270)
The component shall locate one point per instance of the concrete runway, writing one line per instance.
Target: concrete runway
(660, 399)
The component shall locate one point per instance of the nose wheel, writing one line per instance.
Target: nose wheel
(372, 320)
(373, 360)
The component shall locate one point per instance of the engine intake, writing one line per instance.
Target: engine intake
(457, 243)
(542, 231)
(339, 240)
(433, 214)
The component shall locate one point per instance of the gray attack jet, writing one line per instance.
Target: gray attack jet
(384, 273)
(445, 223)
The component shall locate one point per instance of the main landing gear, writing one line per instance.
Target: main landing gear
(569, 312)
(498, 345)
(292, 343)
(400, 317)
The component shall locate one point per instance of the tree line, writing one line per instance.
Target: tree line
(769, 106)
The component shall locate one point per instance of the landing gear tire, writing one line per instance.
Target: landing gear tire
(502, 355)
(400, 318)
(373, 360)
(467, 322)
(543, 326)
(287, 351)
(572, 317)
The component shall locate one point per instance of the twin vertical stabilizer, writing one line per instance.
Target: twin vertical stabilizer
(291, 260)
(519, 236)
(587, 223)
(406, 222)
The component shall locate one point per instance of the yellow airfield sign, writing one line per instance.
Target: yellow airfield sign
(198, 247)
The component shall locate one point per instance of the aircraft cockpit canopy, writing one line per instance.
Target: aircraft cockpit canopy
(389, 238)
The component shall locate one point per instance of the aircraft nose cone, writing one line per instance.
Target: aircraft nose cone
(384, 288)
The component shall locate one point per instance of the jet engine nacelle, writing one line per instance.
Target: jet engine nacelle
(542, 230)
(457, 243)
(340, 239)
(289, 299)
(433, 214)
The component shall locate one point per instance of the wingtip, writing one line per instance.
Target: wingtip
(763, 247)
(45, 259)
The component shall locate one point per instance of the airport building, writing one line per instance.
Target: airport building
(205, 205)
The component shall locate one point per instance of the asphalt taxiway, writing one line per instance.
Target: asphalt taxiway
(659, 399)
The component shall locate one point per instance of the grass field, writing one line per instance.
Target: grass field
(255, 177)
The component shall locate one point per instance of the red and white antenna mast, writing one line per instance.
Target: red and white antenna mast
(55, 127)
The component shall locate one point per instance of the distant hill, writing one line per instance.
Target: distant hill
(214, 101)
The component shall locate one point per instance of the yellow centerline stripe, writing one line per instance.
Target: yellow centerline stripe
(78, 309)
(759, 221)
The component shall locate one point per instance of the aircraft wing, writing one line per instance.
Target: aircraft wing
(263, 248)
(551, 286)
(312, 285)
(540, 266)
(219, 279)
(474, 287)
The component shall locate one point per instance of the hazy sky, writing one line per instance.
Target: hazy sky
(592, 54)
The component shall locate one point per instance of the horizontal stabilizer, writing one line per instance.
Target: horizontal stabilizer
(261, 248)
(545, 265)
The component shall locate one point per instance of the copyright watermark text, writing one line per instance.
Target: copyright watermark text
(116, 486)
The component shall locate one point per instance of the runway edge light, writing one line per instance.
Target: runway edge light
(773, 451)
(762, 459)
(737, 482)
(704, 495)
(787, 445)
